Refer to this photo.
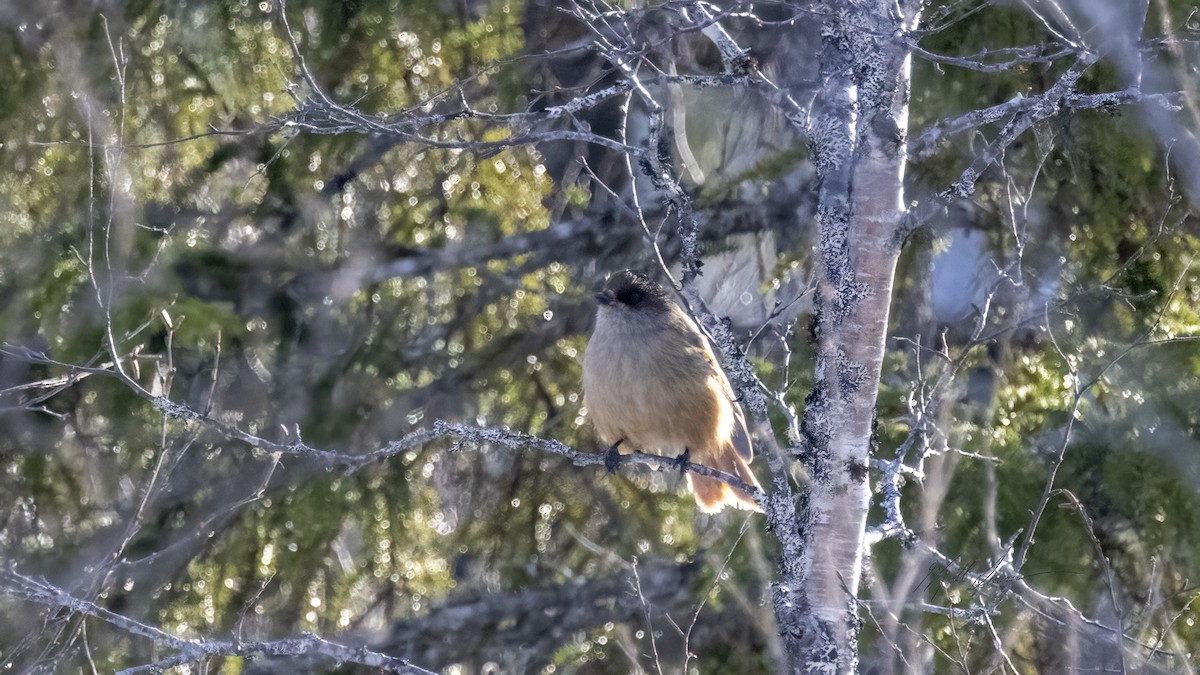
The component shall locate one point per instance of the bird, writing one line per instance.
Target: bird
(652, 383)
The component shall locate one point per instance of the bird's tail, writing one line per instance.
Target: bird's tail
(712, 495)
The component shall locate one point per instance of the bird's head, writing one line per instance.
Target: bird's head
(630, 291)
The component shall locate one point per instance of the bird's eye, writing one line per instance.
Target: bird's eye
(633, 297)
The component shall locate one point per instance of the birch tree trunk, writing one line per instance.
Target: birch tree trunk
(858, 130)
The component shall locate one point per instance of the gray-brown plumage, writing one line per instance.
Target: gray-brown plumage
(652, 383)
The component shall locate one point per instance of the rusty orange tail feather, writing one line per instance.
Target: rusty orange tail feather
(712, 495)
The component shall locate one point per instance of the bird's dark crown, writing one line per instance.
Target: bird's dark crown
(635, 290)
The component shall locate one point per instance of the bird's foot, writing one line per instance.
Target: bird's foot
(612, 457)
(683, 459)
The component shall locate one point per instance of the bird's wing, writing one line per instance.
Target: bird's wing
(741, 437)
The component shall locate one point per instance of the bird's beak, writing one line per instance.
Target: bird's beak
(606, 298)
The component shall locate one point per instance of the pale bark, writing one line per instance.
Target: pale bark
(859, 125)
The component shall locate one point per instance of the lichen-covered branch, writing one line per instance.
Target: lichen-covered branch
(18, 586)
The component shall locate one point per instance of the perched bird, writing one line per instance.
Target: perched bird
(652, 383)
